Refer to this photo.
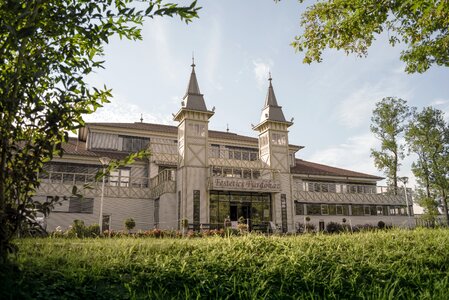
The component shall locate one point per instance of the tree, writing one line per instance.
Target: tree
(353, 25)
(428, 137)
(47, 48)
(130, 224)
(388, 123)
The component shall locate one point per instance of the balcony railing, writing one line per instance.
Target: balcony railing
(84, 178)
(117, 186)
(327, 192)
(332, 187)
(237, 154)
(164, 182)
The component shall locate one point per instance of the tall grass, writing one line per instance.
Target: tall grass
(375, 265)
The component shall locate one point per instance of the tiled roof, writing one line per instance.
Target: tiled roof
(174, 130)
(310, 168)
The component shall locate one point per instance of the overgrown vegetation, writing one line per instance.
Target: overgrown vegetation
(47, 48)
(396, 264)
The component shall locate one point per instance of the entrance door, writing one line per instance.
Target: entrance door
(233, 212)
(321, 225)
(238, 210)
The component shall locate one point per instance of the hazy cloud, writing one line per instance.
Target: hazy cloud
(356, 109)
(121, 110)
(438, 102)
(213, 54)
(352, 154)
(261, 70)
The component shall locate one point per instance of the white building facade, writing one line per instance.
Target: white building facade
(208, 177)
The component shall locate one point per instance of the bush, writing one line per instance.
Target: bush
(308, 227)
(334, 227)
(381, 224)
(78, 230)
(130, 224)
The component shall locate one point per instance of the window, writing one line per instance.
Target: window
(278, 139)
(314, 209)
(119, 177)
(246, 174)
(156, 213)
(284, 212)
(134, 144)
(357, 210)
(241, 153)
(367, 210)
(197, 130)
(339, 210)
(299, 208)
(81, 205)
(106, 222)
(321, 187)
(215, 151)
(237, 173)
(216, 171)
(324, 209)
(379, 210)
(196, 208)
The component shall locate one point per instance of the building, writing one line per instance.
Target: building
(206, 177)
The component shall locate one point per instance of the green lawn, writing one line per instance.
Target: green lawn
(386, 264)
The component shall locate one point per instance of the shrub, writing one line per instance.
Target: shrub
(381, 224)
(130, 224)
(334, 227)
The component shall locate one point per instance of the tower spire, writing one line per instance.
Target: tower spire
(272, 111)
(193, 99)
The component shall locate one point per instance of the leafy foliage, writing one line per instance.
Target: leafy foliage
(353, 25)
(47, 48)
(130, 224)
(388, 123)
(428, 137)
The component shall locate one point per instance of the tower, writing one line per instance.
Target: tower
(274, 154)
(193, 118)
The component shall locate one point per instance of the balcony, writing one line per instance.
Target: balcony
(234, 157)
(327, 192)
(244, 179)
(164, 182)
(61, 184)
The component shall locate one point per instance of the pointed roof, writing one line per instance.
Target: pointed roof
(272, 111)
(193, 99)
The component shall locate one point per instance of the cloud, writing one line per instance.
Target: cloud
(121, 110)
(353, 154)
(261, 70)
(439, 101)
(356, 109)
(214, 54)
(161, 47)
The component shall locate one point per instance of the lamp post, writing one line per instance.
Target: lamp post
(404, 180)
(104, 162)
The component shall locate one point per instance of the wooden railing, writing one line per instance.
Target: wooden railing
(85, 178)
(164, 182)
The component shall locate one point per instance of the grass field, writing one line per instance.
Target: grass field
(396, 264)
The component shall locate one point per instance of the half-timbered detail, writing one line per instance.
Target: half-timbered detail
(210, 179)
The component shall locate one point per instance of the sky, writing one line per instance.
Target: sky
(236, 44)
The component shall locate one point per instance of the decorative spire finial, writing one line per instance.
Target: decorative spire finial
(141, 118)
(269, 77)
(193, 60)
